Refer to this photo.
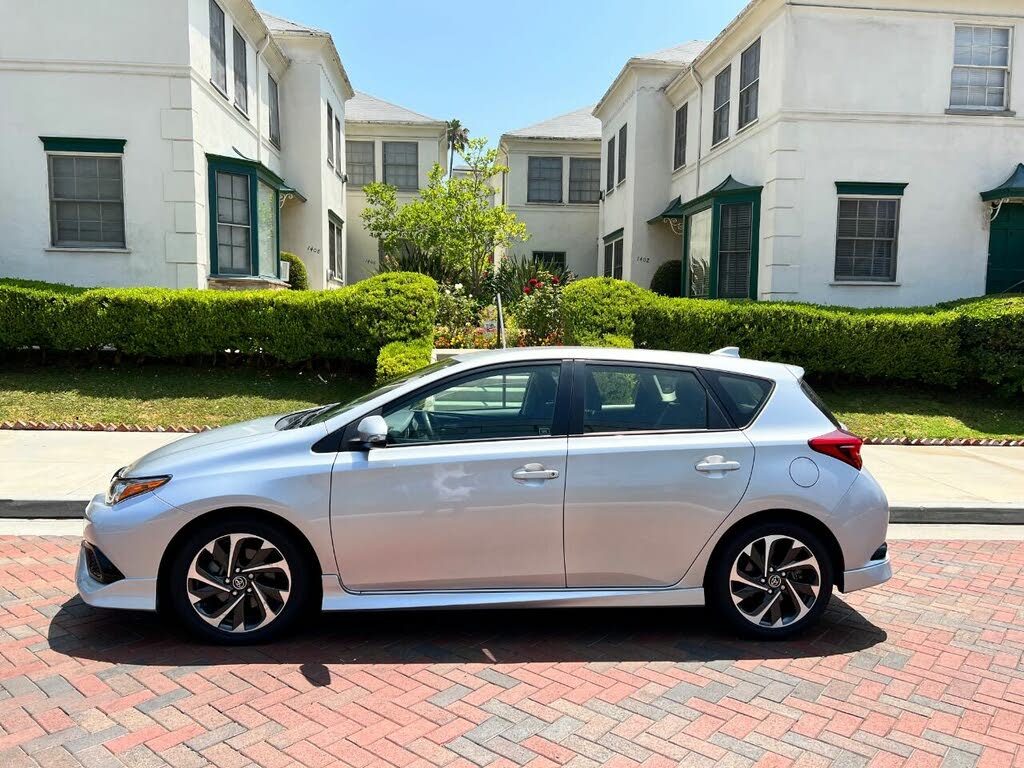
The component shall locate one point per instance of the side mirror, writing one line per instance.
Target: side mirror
(373, 432)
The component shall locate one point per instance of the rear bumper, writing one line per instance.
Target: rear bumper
(872, 574)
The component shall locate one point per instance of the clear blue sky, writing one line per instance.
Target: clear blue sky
(500, 66)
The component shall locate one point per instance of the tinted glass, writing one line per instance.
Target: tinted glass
(820, 404)
(516, 402)
(622, 398)
(742, 396)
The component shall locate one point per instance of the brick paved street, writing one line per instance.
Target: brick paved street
(924, 671)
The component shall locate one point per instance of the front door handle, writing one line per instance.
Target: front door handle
(534, 472)
(717, 464)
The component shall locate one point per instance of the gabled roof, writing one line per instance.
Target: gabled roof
(285, 28)
(364, 108)
(680, 56)
(578, 125)
(278, 24)
(1012, 188)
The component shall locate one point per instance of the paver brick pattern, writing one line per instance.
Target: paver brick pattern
(925, 671)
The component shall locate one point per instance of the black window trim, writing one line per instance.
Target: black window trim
(576, 414)
(344, 437)
(772, 384)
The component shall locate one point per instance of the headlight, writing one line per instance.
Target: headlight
(122, 488)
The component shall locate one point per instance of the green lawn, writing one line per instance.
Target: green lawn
(168, 395)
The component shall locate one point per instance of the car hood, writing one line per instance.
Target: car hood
(163, 460)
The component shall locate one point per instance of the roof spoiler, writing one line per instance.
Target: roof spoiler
(727, 352)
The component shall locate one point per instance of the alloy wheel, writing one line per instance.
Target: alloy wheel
(775, 581)
(239, 583)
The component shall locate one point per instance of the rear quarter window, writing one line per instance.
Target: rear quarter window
(742, 396)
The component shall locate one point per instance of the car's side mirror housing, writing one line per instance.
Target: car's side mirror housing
(372, 432)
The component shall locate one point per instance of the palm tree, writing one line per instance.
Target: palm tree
(458, 135)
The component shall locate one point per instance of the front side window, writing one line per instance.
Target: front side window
(734, 243)
(234, 256)
(622, 153)
(610, 165)
(218, 60)
(613, 258)
(401, 164)
(981, 68)
(623, 398)
(750, 73)
(359, 160)
(275, 111)
(866, 237)
(584, 179)
(516, 402)
(330, 135)
(720, 126)
(679, 140)
(550, 259)
(241, 58)
(86, 201)
(544, 180)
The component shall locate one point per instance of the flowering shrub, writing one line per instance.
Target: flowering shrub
(539, 312)
(455, 308)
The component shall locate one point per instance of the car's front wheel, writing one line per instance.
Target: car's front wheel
(238, 581)
(771, 580)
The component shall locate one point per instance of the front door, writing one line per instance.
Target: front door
(1006, 251)
(468, 492)
(653, 473)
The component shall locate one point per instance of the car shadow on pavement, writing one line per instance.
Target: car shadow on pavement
(463, 636)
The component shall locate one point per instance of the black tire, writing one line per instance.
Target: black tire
(290, 589)
(720, 585)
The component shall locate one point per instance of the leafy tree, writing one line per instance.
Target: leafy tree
(454, 222)
(458, 135)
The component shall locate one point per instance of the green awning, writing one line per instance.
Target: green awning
(225, 162)
(674, 211)
(1013, 187)
(677, 209)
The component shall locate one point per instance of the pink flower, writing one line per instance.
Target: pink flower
(526, 289)
(534, 281)
(554, 280)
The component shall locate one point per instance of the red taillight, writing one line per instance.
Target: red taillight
(840, 445)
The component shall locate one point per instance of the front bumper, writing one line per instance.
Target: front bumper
(874, 573)
(132, 594)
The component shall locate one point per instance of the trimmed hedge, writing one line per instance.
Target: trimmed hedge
(401, 357)
(958, 342)
(599, 306)
(351, 323)
(668, 279)
(298, 277)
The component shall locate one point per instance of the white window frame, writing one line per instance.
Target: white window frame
(330, 135)
(587, 158)
(530, 179)
(752, 85)
(725, 106)
(335, 247)
(1007, 69)
(273, 110)
(52, 239)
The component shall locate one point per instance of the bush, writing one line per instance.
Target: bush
(455, 309)
(668, 279)
(516, 271)
(598, 306)
(991, 332)
(351, 323)
(539, 312)
(298, 277)
(402, 357)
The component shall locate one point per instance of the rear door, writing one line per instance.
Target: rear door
(654, 466)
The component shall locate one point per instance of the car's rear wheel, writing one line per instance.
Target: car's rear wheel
(771, 580)
(238, 581)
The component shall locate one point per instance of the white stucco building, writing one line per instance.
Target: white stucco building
(853, 152)
(177, 143)
(389, 143)
(553, 185)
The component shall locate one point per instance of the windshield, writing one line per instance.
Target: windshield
(327, 412)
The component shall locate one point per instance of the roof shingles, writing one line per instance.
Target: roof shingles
(579, 124)
(364, 108)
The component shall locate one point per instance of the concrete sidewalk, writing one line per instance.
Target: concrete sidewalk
(43, 472)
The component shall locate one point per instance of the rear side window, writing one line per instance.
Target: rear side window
(742, 396)
(819, 404)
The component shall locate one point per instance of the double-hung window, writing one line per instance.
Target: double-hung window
(86, 193)
(622, 153)
(550, 259)
(610, 166)
(359, 160)
(613, 252)
(275, 111)
(584, 179)
(750, 73)
(544, 180)
(401, 164)
(330, 135)
(335, 245)
(866, 238)
(720, 125)
(679, 140)
(337, 144)
(241, 60)
(218, 52)
(981, 68)
(244, 209)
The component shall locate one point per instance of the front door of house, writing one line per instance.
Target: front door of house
(1006, 251)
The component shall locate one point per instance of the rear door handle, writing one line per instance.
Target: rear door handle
(717, 464)
(534, 472)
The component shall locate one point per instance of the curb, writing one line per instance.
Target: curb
(984, 513)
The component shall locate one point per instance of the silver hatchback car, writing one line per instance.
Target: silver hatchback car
(535, 477)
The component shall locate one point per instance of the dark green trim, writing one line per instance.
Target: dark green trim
(256, 172)
(1013, 187)
(67, 144)
(729, 191)
(674, 210)
(613, 235)
(873, 188)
